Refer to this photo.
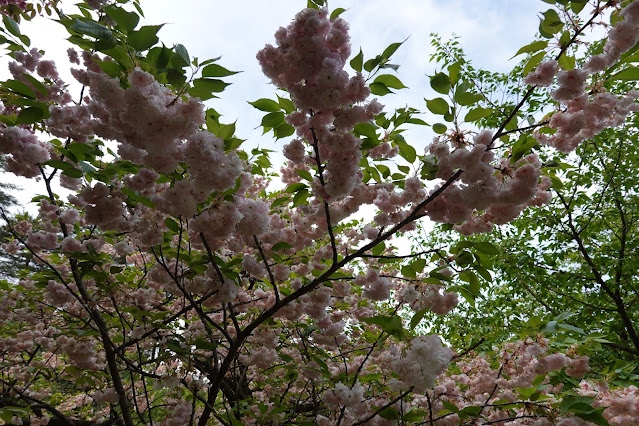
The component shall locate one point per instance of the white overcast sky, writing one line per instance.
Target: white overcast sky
(490, 31)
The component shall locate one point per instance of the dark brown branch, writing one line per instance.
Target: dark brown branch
(327, 211)
(379, 410)
(268, 268)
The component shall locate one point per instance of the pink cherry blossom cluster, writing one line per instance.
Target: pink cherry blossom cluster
(621, 37)
(375, 286)
(82, 354)
(428, 296)
(108, 395)
(264, 355)
(151, 125)
(22, 4)
(146, 118)
(25, 149)
(351, 398)
(622, 404)
(488, 193)
(544, 75)
(30, 62)
(584, 117)
(180, 413)
(422, 362)
(308, 62)
(480, 384)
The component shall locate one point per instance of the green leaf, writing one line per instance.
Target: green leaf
(417, 318)
(357, 61)
(571, 328)
(210, 84)
(566, 62)
(576, 403)
(30, 116)
(378, 249)
(337, 12)
(20, 88)
(407, 152)
(477, 114)
(286, 104)
(279, 202)
(366, 129)
(205, 344)
(127, 21)
(66, 168)
(159, 56)
(282, 245)
(391, 325)
(628, 74)
(440, 82)
(533, 62)
(408, 271)
(557, 184)
(266, 105)
(372, 63)
(183, 56)
(91, 28)
(535, 46)
(578, 5)
(215, 70)
(467, 98)
(201, 93)
(392, 48)
(453, 72)
(471, 410)
(439, 128)
(226, 131)
(419, 264)
(105, 44)
(520, 148)
(273, 119)
(172, 225)
(300, 197)
(11, 25)
(437, 106)
(112, 69)
(295, 187)
(487, 248)
(284, 130)
(551, 24)
(379, 89)
(390, 413)
(390, 81)
(473, 281)
(564, 39)
(304, 174)
(144, 38)
(25, 40)
(450, 406)
(550, 327)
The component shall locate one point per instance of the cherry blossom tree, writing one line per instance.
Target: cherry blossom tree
(186, 281)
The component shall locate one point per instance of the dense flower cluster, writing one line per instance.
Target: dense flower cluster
(25, 149)
(308, 62)
(501, 389)
(489, 194)
(422, 363)
(583, 117)
(22, 4)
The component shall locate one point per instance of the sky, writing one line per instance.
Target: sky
(490, 32)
